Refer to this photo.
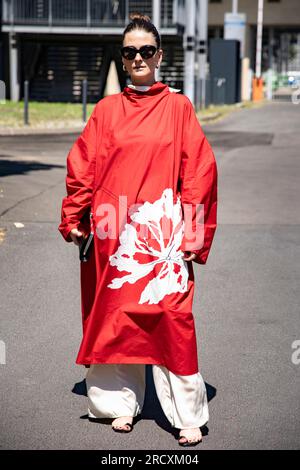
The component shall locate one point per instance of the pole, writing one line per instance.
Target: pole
(257, 83)
(235, 6)
(156, 14)
(259, 37)
(189, 50)
(202, 19)
(26, 97)
(14, 66)
(84, 99)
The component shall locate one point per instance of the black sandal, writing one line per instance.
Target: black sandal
(124, 430)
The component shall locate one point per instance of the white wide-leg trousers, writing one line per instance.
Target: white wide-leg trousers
(115, 390)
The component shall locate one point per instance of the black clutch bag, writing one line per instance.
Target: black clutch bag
(85, 247)
(86, 243)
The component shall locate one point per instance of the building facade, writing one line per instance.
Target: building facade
(281, 30)
(56, 44)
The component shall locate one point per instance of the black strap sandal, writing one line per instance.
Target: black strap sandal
(124, 430)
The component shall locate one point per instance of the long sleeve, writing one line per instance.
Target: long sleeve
(79, 179)
(198, 187)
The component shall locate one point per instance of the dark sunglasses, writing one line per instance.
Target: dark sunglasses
(129, 52)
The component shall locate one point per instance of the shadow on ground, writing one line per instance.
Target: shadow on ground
(232, 139)
(151, 409)
(20, 167)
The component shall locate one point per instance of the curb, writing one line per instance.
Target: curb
(10, 131)
(209, 117)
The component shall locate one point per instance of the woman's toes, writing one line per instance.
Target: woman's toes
(120, 423)
(122, 427)
(190, 435)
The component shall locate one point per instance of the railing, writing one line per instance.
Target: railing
(85, 13)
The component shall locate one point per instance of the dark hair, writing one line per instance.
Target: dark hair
(139, 21)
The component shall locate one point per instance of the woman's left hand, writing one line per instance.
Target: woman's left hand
(189, 256)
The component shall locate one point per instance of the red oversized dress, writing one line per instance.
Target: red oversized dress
(145, 169)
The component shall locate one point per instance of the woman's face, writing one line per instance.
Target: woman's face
(146, 73)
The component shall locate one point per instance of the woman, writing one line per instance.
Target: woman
(145, 172)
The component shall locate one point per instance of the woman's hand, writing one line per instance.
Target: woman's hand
(75, 234)
(189, 256)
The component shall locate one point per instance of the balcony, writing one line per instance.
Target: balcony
(77, 16)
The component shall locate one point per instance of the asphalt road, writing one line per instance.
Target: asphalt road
(246, 303)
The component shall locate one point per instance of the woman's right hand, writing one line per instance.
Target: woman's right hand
(75, 234)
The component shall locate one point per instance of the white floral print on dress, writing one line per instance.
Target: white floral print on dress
(140, 255)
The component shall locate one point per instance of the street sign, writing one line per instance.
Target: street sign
(235, 28)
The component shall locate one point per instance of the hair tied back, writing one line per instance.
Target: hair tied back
(143, 22)
(136, 16)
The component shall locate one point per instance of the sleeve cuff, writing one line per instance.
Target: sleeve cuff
(66, 229)
(200, 257)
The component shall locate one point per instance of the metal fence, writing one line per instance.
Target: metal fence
(80, 12)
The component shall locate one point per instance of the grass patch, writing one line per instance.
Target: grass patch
(64, 115)
(42, 114)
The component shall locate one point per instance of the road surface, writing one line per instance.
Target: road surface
(246, 303)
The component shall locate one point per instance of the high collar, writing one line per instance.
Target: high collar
(136, 93)
(139, 87)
